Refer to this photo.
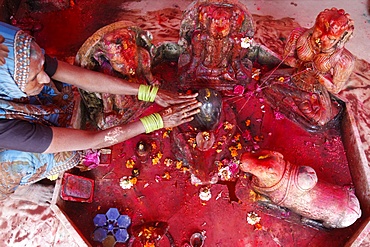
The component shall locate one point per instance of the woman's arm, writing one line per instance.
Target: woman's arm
(65, 139)
(93, 81)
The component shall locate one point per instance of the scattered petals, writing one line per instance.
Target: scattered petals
(130, 163)
(91, 159)
(179, 164)
(166, 175)
(168, 162)
(253, 218)
(205, 194)
(256, 74)
(246, 42)
(228, 126)
(126, 182)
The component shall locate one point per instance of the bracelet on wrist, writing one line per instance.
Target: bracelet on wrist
(147, 93)
(152, 122)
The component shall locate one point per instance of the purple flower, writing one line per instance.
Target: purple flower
(91, 159)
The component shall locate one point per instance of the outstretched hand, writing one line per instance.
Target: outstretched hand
(166, 98)
(178, 114)
(3, 51)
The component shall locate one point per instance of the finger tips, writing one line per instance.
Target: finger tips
(189, 119)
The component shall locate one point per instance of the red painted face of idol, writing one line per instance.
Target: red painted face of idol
(332, 28)
(121, 49)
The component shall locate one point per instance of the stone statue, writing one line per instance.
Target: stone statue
(211, 37)
(298, 189)
(123, 50)
(321, 67)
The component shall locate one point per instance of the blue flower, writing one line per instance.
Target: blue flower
(111, 223)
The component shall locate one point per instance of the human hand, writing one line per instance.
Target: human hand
(178, 114)
(166, 98)
(3, 51)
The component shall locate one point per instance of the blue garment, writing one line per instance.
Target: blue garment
(22, 168)
(49, 108)
(8, 86)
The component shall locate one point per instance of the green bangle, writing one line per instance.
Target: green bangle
(153, 93)
(147, 93)
(143, 92)
(152, 122)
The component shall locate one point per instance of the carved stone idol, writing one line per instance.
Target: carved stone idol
(123, 50)
(320, 66)
(298, 189)
(213, 36)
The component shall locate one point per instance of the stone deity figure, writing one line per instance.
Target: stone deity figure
(211, 36)
(298, 189)
(123, 50)
(321, 67)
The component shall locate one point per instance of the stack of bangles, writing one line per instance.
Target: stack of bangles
(154, 121)
(147, 93)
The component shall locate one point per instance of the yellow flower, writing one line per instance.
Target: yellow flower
(168, 162)
(234, 153)
(258, 226)
(159, 155)
(155, 161)
(178, 164)
(53, 177)
(228, 126)
(133, 180)
(166, 134)
(237, 137)
(192, 142)
(238, 146)
(154, 145)
(130, 163)
(166, 175)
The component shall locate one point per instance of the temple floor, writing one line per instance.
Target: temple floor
(62, 34)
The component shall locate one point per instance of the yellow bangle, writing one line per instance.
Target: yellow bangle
(153, 93)
(143, 92)
(147, 93)
(152, 122)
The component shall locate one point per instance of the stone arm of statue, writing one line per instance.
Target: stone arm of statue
(342, 70)
(198, 47)
(3, 51)
(290, 57)
(93, 81)
(66, 139)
